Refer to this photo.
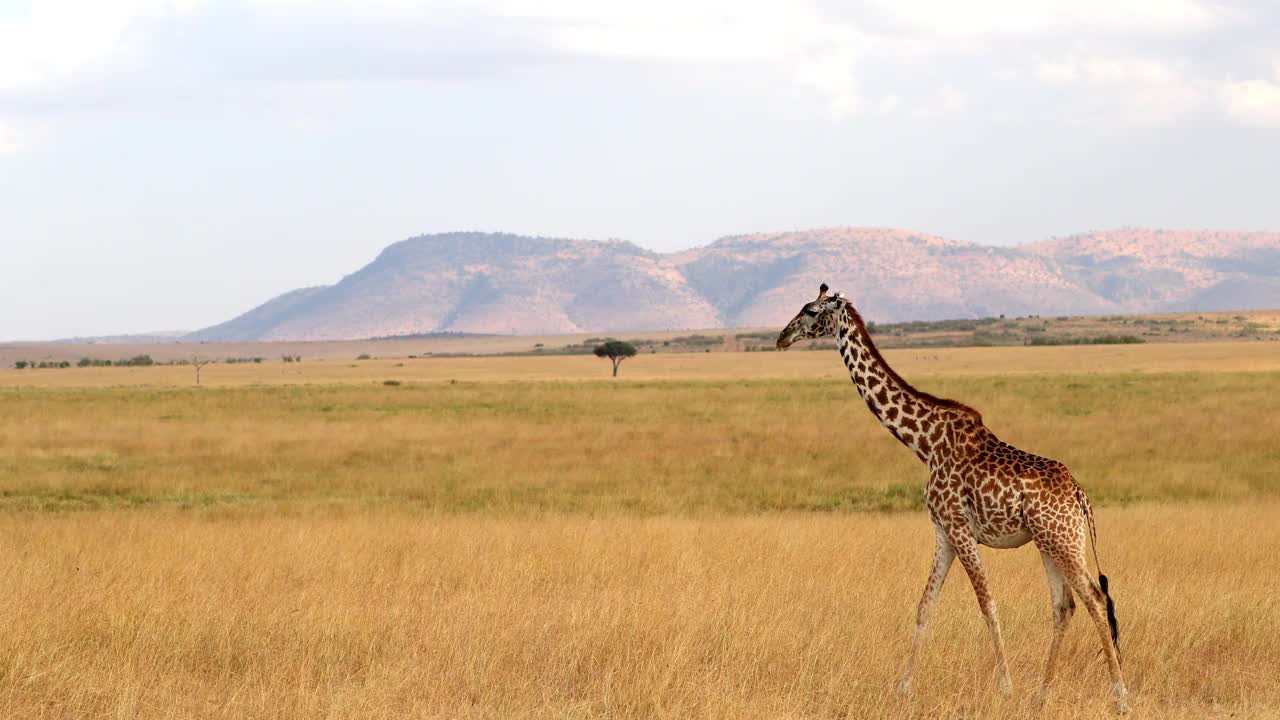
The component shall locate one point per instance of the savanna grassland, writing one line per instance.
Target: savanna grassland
(726, 535)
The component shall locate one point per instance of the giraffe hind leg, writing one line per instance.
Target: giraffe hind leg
(1093, 599)
(1063, 608)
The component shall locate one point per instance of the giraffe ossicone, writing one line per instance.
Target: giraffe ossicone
(980, 491)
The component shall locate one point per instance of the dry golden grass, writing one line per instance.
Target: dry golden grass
(169, 614)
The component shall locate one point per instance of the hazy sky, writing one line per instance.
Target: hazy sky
(166, 165)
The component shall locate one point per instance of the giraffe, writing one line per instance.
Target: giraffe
(981, 491)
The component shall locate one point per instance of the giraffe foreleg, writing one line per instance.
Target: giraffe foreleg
(1063, 608)
(966, 549)
(943, 556)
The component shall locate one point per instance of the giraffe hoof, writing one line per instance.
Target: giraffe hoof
(1122, 700)
(1006, 687)
(904, 687)
(1043, 698)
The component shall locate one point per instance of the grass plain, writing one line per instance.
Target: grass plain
(711, 535)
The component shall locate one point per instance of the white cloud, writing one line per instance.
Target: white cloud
(975, 18)
(58, 38)
(1254, 102)
(716, 30)
(1113, 70)
(1105, 89)
(17, 136)
(1153, 91)
(8, 140)
(888, 49)
(69, 40)
(833, 75)
(1057, 73)
(820, 52)
(953, 99)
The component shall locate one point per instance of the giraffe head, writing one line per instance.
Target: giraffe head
(816, 319)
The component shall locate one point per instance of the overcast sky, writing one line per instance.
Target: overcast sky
(166, 165)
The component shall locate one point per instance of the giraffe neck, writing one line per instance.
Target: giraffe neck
(916, 419)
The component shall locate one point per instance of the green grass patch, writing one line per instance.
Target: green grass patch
(648, 448)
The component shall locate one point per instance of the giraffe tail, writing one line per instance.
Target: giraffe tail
(1111, 613)
(1103, 582)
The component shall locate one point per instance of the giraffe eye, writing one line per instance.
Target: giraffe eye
(810, 310)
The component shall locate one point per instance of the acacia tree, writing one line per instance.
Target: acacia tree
(198, 362)
(616, 351)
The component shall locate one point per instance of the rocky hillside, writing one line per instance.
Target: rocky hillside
(499, 283)
(483, 283)
(1154, 270)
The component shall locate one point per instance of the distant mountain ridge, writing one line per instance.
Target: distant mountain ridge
(510, 284)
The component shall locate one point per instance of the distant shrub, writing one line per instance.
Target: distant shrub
(392, 383)
(698, 340)
(1100, 340)
(21, 364)
(135, 361)
(362, 356)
